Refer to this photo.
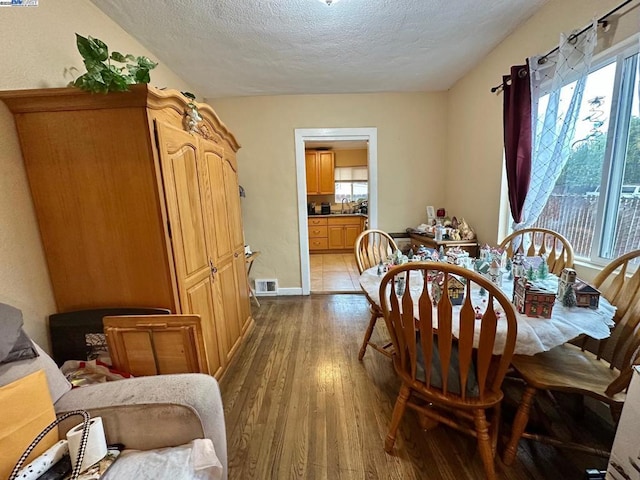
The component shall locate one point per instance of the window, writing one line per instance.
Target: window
(596, 199)
(351, 184)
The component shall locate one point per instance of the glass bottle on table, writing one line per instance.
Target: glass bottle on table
(439, 231)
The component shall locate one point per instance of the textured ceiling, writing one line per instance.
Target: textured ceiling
(265, 47)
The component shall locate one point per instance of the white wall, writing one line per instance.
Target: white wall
(38, 43)
(411, 142)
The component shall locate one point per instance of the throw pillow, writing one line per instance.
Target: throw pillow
(23, 349)
(58, 384)
(10, 328)
(27, 409)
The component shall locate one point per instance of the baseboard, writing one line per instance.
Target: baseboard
(290, 291)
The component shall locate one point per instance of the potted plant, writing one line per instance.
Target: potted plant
(103, 73)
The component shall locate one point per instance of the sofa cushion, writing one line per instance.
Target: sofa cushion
(58, 384)
(26, 410)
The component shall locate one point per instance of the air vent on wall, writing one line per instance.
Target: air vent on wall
(266, 286)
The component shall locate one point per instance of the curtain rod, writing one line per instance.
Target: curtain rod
(602, 20)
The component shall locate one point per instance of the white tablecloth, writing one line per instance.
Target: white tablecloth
(534, 334)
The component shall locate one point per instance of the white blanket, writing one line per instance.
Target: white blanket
(194, 461)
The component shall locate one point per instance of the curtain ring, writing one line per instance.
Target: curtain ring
(522, 73)
(542, 60)
(573, 38)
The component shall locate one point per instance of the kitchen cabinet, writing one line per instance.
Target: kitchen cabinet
(343, 231)
(317, 228)
(334, 232)
(320, 168)
(136, 211)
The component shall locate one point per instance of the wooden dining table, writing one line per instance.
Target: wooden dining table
(534, 334)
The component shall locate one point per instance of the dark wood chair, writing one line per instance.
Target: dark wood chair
(372, 247)
(597, 369)
(541, 241)
(446, 379)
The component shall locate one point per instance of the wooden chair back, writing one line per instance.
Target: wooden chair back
(371, 247)
(434, 315)
(622, 291)
(541, 241)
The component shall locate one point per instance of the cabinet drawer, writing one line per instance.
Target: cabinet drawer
(318, 243)
(317, 221)
(344, 220)
(317, 232)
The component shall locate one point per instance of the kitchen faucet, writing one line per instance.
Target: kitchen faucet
(342, 205)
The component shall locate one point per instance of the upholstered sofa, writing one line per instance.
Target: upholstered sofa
(141, 413)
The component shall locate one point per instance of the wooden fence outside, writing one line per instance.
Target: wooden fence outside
(574, 216)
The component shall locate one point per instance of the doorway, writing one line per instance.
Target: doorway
(332, 262)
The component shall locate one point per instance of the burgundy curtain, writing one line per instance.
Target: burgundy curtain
(517, 136)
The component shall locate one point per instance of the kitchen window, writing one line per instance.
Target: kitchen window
(351, 184)
(596, 199)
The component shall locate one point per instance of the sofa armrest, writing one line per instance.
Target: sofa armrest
(154, 412)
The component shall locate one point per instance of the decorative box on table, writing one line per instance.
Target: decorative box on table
(531, 299)
(585, 295)
(455, 288)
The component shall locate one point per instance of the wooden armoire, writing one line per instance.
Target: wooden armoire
(137, 206)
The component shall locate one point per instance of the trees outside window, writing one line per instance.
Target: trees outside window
(596, 200)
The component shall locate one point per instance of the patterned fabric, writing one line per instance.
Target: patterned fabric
(557, 88)
(51, 426)
(44, 462)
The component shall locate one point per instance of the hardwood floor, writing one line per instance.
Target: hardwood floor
(299, 405)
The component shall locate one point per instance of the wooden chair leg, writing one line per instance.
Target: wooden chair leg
(495, 428)
(426, 423)
(398, 412)
(484, 444)
(368, 333)
(519, 425)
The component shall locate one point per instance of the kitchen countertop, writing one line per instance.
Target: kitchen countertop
(338, 215)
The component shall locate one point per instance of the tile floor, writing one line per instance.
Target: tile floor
(334, 273)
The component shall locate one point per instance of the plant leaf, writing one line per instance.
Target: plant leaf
(118, 57)
(100, 49)
(142, 76)
(83, 46)
(145, 62)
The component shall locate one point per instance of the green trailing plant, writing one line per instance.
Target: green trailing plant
(103, 73)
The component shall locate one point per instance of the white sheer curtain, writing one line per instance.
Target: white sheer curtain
(557, 88)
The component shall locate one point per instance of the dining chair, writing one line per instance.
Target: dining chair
(597, 369)
(447, 378)
(372, 247)
(541, 241)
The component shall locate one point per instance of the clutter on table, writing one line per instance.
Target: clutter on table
(442, 227)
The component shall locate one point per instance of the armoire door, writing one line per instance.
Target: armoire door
(237, 240)
(193, 266)
(225, 283)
